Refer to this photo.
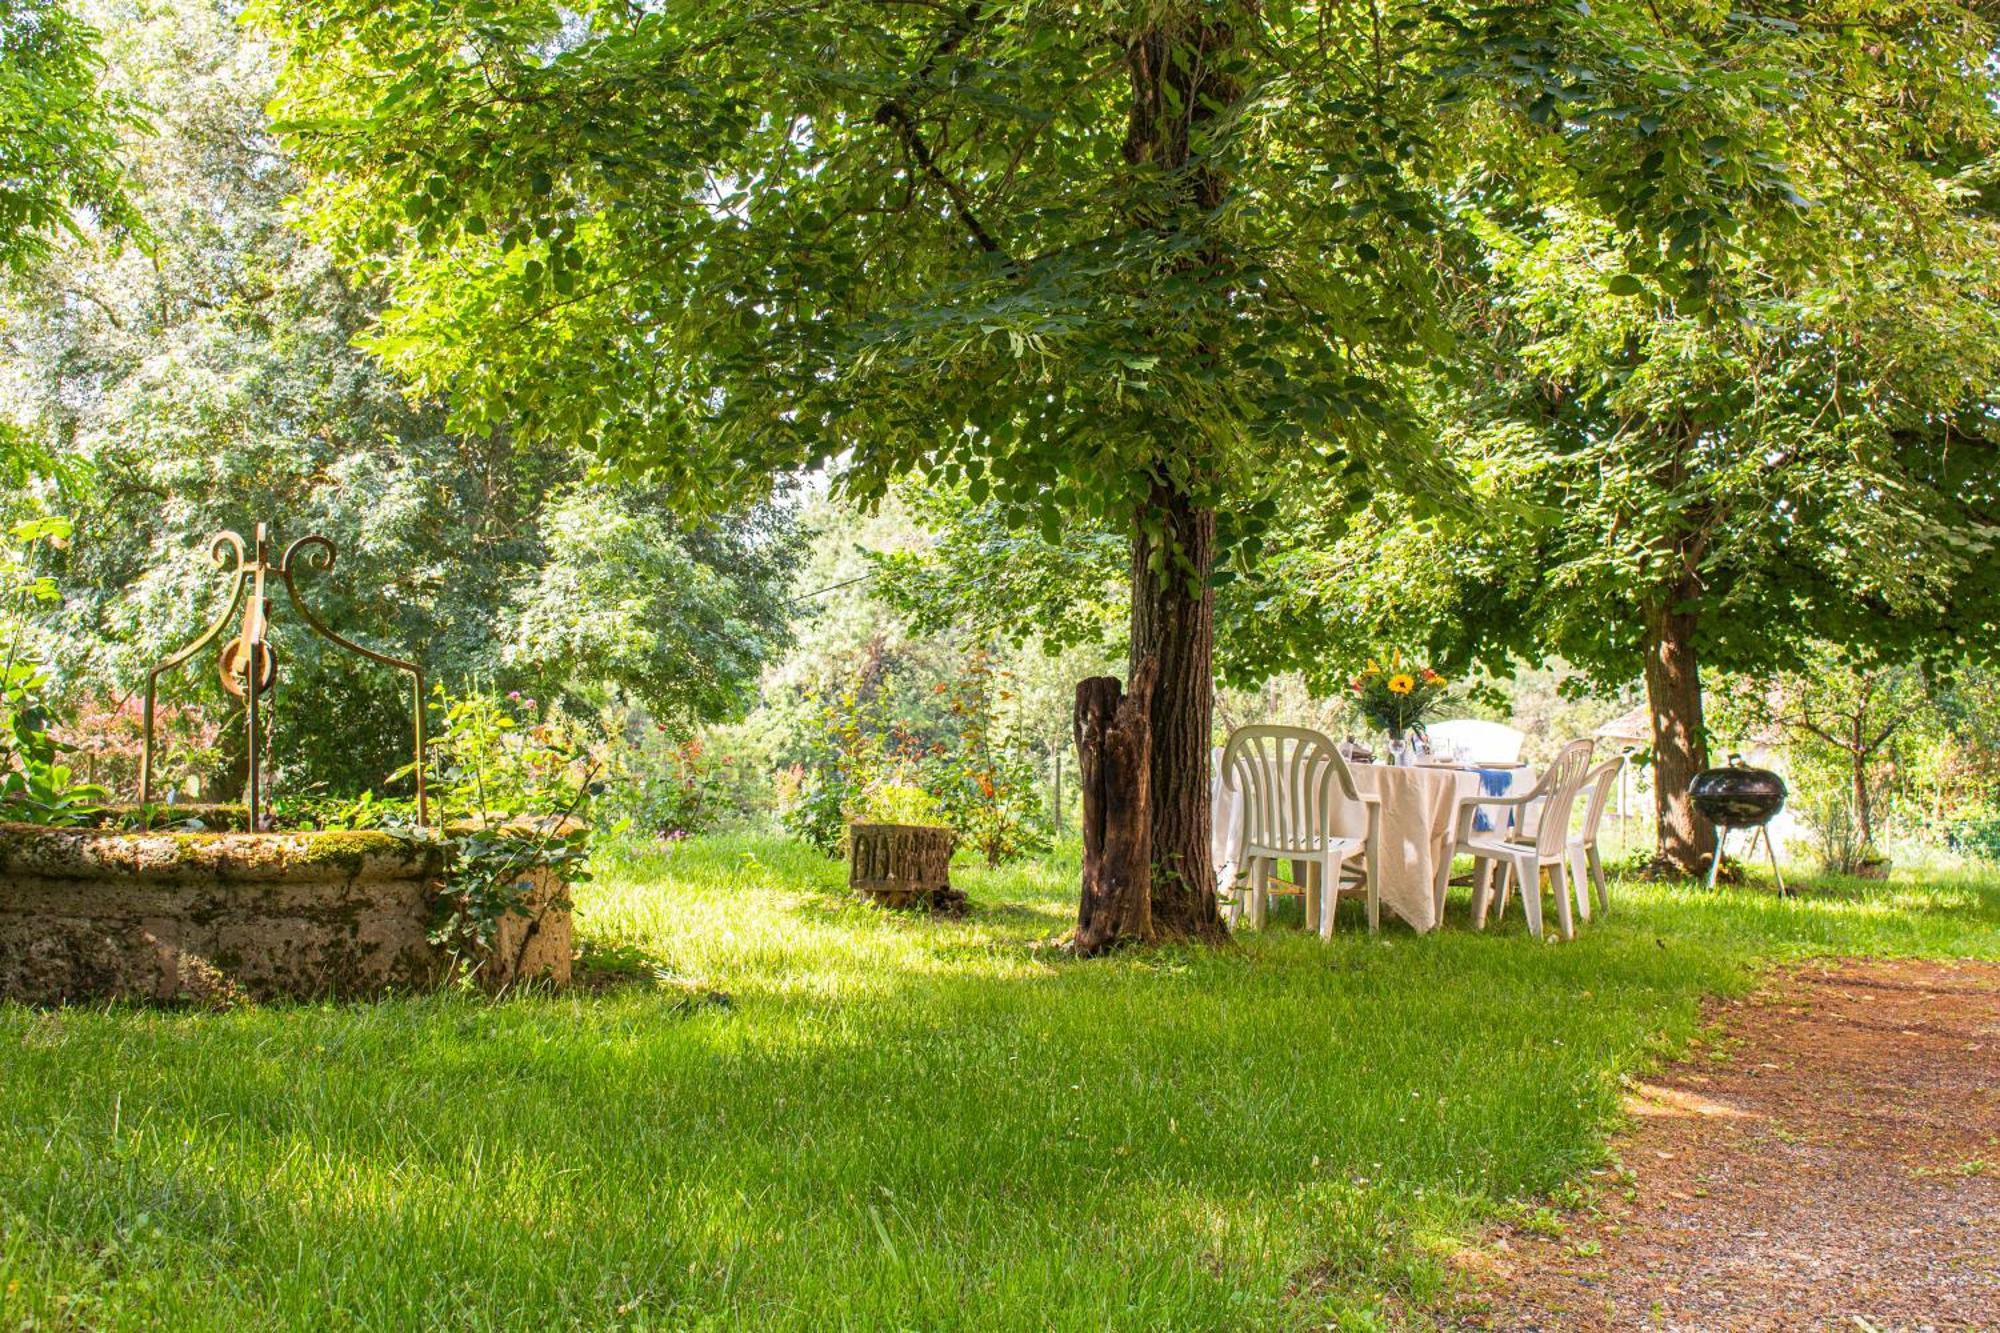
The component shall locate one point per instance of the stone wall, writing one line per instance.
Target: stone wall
(90, 914)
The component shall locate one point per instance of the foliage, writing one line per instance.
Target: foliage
(1955, 764)
(213, 383)
(985, 784)
(680, 619)
(1835, 837)
(1172, 269)
(894, 800)
(863, 762)
(1397, 698)
(510, 785)
(1976, 835)
(495, 758)
(848, 759)
(1659, 482)
(58, 132)
(681, 271)
(107, 736)
(492, 873)
(980, 577)
(1057, 326)
(664, 788)
(1838, 719)
(37, 783)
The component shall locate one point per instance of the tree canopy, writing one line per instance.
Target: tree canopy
(1151, 264)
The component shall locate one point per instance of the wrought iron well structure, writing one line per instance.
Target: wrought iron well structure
(248, 663)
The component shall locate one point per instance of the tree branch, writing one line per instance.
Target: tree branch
(894, 113)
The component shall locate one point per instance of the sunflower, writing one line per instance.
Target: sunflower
(1402, 683)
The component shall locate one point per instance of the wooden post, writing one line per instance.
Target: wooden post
(1114, 760)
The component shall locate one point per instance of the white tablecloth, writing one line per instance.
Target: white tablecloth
(1419, 808)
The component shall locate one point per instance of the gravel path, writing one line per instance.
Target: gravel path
(1832, 1162)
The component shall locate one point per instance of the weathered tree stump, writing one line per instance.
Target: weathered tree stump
(1114, 761)
(904, 865)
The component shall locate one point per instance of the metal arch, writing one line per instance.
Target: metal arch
(218, 547)
(258, 656)
(319, 553)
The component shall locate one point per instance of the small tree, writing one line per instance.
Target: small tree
(1841, 713)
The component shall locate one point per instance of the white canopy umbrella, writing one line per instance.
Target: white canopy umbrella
(1476, 740)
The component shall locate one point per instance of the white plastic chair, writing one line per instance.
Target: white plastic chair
(1290, 780)
(1583, 854)
(1546, 848)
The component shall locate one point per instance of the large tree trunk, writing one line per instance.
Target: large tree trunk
(1114, 759)
(1180, 69)
(1173, 628)
(1680, 737)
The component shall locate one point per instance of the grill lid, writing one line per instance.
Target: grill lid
(1737, 795)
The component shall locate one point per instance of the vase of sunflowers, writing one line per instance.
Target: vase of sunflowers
(1399, 699)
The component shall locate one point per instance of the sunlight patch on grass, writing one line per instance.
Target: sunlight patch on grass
(891, 1120)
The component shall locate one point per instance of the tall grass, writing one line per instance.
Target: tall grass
(818, 1115)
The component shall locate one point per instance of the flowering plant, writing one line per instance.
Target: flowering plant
(1397, 698)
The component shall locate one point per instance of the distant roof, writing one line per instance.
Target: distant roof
(1635, 726)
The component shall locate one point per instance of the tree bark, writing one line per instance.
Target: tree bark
(1861, 751)
(1680, 738)
(1181, 72)
(1173, 628)
(1114, 757)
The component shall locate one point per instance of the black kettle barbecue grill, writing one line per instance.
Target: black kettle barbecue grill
(1739, 796)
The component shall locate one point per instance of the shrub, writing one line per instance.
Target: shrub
(965, 775)
(1836, 841)
(37, 784)
(893, 802)
(985, 787)
(107, 737)
(494, 757)
(1976, 834)
(667, 789)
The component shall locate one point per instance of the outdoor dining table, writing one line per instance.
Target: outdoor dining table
(1420, 810)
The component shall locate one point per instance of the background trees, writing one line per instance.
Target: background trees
(1253, 338)
(211, 382)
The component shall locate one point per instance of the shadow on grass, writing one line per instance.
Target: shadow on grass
(899, 1120)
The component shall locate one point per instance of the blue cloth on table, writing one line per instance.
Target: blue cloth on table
(1493, 782)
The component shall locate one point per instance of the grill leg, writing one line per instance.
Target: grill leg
(1715, 862)
(1771, 850)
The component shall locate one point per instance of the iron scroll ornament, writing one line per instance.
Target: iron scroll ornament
(248, 663)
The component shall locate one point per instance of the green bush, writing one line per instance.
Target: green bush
(37, 784)
(865, 766)
(494, 758)
(1976, 835)
(667, 790)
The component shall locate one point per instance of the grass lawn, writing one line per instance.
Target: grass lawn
(888, 1122)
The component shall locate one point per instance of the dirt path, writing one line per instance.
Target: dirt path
(1832, 1162)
